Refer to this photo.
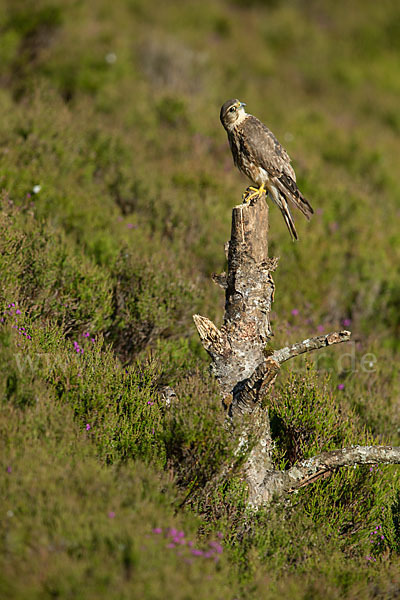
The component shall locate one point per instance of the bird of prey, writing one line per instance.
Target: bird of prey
(258, 154)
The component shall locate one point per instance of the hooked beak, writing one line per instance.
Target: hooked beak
(242, 104)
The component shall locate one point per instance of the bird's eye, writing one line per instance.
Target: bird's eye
(232, 109)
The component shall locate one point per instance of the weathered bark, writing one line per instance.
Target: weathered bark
(309, 345)
(237, 349)
(245, 370)
(276, 483)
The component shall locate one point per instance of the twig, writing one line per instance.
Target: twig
(309, 345)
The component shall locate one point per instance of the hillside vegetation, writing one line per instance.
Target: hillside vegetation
(117, 185)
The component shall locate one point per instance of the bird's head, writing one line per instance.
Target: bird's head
(232, 113)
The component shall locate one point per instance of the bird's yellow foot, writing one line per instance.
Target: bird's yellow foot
(252, 192)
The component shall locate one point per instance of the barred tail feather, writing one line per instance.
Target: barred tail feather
(289, 189)
(288, 219)
(281, 202)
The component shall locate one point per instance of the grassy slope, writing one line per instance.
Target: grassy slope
(112, 108)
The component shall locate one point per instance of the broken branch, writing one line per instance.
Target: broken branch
(277, 483)
(309, 345)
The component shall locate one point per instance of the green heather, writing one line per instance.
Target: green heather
(117, 185)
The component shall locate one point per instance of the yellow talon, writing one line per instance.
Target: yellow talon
(255, 193)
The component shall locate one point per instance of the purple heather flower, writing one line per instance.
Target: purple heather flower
(86, 334)
(178, 540)
(346, 322)
(77, 347)
(150, 403)
(196, 552)
(216, 546)
(172, 532)
(170, 545)
(9, 469)
(320, 328)
(88, 427)
(340, 386)
(157, 530)
(295, 312)
(17, 312)
(111, 514)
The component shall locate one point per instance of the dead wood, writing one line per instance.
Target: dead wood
(245, 370)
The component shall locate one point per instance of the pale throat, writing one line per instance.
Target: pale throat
(241, 116)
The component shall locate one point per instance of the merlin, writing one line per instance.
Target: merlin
(258, 154)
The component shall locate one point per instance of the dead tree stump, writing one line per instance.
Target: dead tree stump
(238, 348)
(245, 370)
